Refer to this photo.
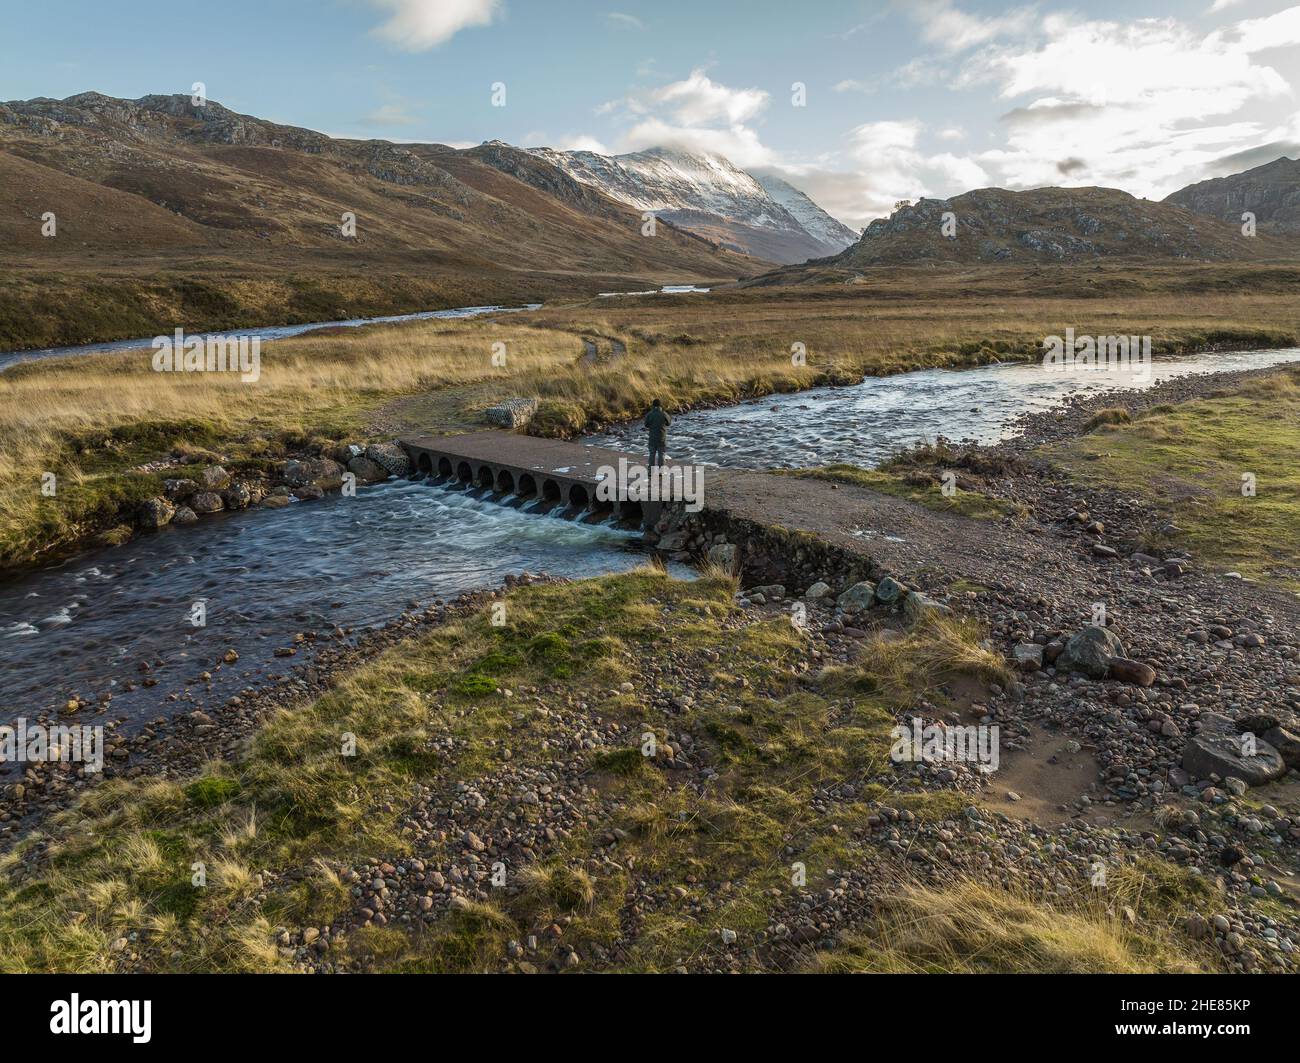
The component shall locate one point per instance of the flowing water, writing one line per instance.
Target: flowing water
(265, 334)
(865, 423)
(83, 627)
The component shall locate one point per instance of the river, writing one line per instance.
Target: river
(265, 333)
(865, 423)
(84, 626)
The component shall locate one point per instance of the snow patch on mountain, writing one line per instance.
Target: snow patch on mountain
(709, 195)
(815, 221)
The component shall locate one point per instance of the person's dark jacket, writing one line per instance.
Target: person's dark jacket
(657, 422)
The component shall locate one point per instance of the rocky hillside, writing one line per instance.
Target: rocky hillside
(1271, 192)
(1068, 225)
(761, 216)
(159, 174)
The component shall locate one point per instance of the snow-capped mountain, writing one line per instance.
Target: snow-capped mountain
(830, 231)
(706, 194)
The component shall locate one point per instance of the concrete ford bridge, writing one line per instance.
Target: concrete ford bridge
(549, 470)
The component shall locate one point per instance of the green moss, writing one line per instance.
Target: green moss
(474, 685)
(211, 791)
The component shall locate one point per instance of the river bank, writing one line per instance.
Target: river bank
(323, 392)
(520, 747)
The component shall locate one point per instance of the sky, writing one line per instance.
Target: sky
(860, 104)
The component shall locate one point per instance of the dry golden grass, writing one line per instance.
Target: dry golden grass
(976, 928)
(91, 419)
(938, 649)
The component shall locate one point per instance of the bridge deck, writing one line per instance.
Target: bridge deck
(525, 465)
(545, 457)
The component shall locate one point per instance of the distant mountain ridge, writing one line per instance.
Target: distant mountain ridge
(1069, 225)
(159, 174)
(764, 216)
(1271, 192)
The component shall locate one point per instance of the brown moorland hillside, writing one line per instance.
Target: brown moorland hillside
(1271, 192)
(151, 192)
(1077, 226)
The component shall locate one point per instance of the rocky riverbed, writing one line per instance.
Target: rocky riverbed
(1154, 694)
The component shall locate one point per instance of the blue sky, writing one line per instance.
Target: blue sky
(923, 97)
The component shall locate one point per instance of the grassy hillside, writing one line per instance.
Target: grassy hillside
(993, 226)
(160, 193)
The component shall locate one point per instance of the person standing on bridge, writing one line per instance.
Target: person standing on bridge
(657, 422)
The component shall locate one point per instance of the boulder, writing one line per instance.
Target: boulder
(918, 607)
(184, 515)
(1130, 671)
(513, 413)
(858, 598)
(1221, 754)
(391, 457)
(367, 471)
(237, 496)
(207, 502)
(1028, 656)
(771, 591)
(276, 501)
(723, 555)
(178, 490)
(156, 513)
(1257, 723)
(345, 452)
(1216, 723)
(889, 591)
(1287, 744)
(817, 591)
(310, 493)
(314, 472)
(1090, 652)
(214, 479)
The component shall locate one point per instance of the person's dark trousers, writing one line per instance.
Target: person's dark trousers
(656, 455)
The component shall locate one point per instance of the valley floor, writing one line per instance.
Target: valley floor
(644, 774)
(110, 428)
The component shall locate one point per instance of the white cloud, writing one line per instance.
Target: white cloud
(738, 143)
(1145, 105)
(1260, 34)
(579, 142)
(390, 114)
(881, 163)
(698, 99)
(624, 22)
(953, 30)
(417, 25)
(695, 114)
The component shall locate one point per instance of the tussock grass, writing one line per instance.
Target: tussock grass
(120, 864)
(1111, 416)
(973, 927)
(939, 650)
(90, 420)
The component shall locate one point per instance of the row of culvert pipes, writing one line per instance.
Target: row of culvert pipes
(549, 491)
